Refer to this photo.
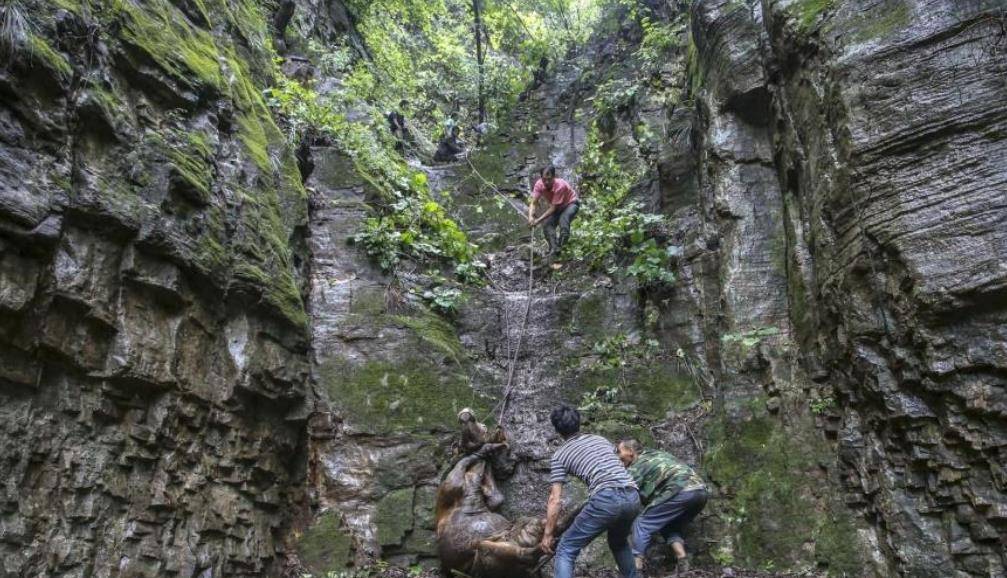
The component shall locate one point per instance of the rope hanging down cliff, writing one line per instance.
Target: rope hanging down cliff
(516, 352)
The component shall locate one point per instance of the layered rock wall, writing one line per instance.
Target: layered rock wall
(890, 141)
(153, 340)
(850, 160)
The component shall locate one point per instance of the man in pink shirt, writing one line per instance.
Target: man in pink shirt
(563, 204)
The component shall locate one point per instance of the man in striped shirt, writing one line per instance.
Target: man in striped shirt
(613, 503)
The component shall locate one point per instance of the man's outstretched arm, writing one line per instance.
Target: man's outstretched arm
(551, 516)
(548, 213)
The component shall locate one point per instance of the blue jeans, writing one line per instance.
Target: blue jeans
(611, 509)
(668, 518)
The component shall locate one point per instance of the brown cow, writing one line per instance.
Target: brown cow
(472, 539)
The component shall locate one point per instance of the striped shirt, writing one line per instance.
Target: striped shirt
(591, 458)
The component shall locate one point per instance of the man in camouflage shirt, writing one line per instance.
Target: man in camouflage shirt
(672, 495)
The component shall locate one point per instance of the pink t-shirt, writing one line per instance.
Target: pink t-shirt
(561, 193)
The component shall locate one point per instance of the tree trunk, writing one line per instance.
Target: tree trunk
(480, 58)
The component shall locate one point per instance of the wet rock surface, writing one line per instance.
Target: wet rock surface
(197, 369)
(153, 367)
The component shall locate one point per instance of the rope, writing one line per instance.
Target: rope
(509, 388)
(494, 188)
(513, 359)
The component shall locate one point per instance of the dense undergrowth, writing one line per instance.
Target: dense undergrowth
(420, 59)
(616, 233)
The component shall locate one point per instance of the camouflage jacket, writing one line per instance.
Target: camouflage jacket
(660, 475)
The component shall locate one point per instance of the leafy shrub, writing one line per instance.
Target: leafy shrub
(443, 299)
(650, 265)
(409, 223)
(614, 225)
(658, 39)
(615, 94)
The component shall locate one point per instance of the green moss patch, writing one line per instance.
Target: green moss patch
(326, 546)
(435, 332)
(161, 32)
(588, 316)
(44, 54)
(808, 11)
(626, 402)
(190, 159)
(882, 21)
(394, 517)
(410, 395)
(776, 495)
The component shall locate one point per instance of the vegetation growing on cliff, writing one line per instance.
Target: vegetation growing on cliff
(615, 232)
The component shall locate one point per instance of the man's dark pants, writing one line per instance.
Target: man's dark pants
(611, 509)
(668, 518)
(562, 218)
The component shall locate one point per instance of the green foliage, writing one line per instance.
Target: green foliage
(619, 351)
(409, 223)
(425, 52)
(659, 38)
(612, 223)
(443, 299)
(822, 405)
(615, 94)
(471, 272)
(381, 240)
(650, 264)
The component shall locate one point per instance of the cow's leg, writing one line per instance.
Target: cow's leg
(494, 497)
(508, 552)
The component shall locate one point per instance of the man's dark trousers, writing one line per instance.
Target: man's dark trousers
(562, 218)
(668, 518)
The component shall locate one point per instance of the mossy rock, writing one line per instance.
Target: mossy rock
(808, 11)
(434, 332)
(44, 54)
(422, 542)
(589, 315)
(423, 507)
(325, 546)
(413, 464)
(411, 395)
(653, 390)
(882, 20)
(394, 517)
(776, 495)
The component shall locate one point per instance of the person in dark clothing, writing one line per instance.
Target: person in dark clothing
(613, 501)
(672, 494)
(563, 204)
(538, 78)
(450, 148)
(397, 124)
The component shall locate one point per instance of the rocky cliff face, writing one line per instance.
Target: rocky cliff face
(831, 355)
(889, 139)
(850, 161)
(152, 333)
